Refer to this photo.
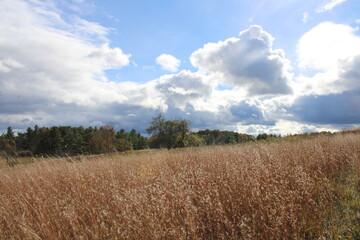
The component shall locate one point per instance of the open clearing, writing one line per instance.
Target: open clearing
(308, 189)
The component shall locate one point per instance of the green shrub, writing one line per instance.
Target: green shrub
(123, 145)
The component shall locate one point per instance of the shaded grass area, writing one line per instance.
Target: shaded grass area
(307, 189)
(342, 221)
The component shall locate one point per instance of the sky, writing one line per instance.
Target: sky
(271, 66)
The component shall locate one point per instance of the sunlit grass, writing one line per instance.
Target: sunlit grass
(307, 189)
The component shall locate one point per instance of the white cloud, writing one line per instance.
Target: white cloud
(53, 64)
(6, 65)
(168, 62)
(89, 29)
(328, 91)
(247, 62)
(331, 52)
(52, 72)
(330, 5)
(184, 89)
(149, 68)
(110, 57)
(306, 17)
(325, 44)
(285, 127)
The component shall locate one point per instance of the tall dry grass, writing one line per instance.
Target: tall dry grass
(255, 191)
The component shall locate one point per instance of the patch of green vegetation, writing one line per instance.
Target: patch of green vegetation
(343, 220)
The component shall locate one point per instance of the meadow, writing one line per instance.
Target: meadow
(300, 189)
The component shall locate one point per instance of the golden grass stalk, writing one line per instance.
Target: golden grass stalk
(285, 190)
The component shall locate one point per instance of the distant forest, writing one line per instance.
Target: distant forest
(67, 141)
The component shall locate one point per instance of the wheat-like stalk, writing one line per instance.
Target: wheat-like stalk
(251, 191)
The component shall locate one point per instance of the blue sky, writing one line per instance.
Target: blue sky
(149, 28)
(248, 66)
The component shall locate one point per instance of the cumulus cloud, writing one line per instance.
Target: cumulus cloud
(53, 72)
(249, 114)
(168, 62)
(282, 127)
(330, 5)
(341, 108)
(350, 73)
(330, 53)
(183, 88)
(336, 102)
(325, 96)
(247, 62)
(322, 46)
(110, 57)
(49, 69)
(328, 90)
(52, 63)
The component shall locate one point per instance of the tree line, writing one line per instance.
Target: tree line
(66, 140)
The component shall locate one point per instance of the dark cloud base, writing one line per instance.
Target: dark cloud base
(329, 109)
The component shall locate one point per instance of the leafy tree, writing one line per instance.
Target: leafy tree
(87, 136)
(8, 146)
(10, 133)
(168, 133)
(241, 137)
(79, 144)
(102, 141)
(122, 134)
(21, 141)
(67, 134)
(56, 140)
(123, 145)
(136, 139)
(264, 136)
(34, 139)
(217, 137)
(30, 139)
(157, 125)
(193, 140)
(141, 142)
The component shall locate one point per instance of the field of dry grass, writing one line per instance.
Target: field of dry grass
(308, 189)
